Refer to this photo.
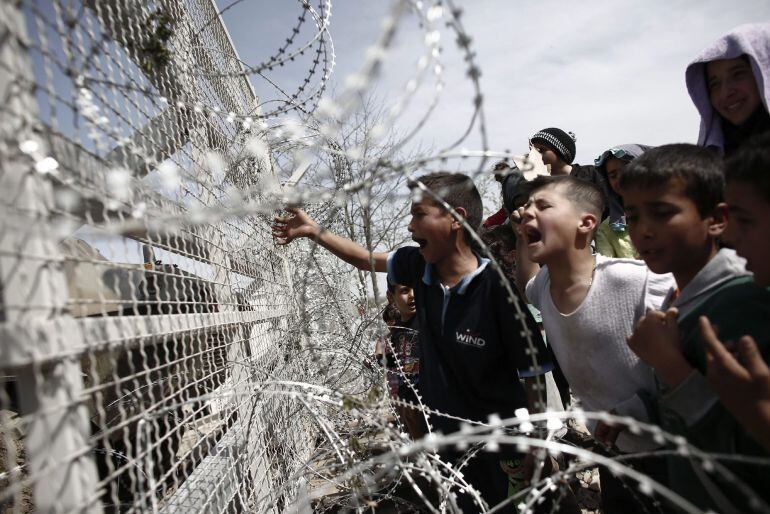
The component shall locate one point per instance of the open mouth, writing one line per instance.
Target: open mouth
(650, 254)
(421, 242)
(532, 235)
(733, 104)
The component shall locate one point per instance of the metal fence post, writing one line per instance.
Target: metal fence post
(35, 290)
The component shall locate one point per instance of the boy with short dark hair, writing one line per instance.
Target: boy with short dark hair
(472, 341)
(743, 381)
(589, 304)
(675, 213)
(405, 346)
(747, 194)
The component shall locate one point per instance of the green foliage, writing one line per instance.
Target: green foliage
(154, 51)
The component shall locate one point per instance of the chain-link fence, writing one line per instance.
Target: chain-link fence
(141, 325)
(158, 351)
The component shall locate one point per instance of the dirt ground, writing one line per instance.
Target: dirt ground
(10, 434)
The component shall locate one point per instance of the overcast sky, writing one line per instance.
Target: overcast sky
(610, 71)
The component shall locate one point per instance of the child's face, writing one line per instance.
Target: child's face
(668, 231)
(431, 228)
(614, 166)
(403, 299)
(549, 224)
(549, 156)
(748, 230)
(732, 89)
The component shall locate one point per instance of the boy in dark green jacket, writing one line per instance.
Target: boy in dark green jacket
(743, 381)
(675, 213)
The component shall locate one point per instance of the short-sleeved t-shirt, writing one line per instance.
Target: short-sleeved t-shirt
(473, 344)
(590, 342)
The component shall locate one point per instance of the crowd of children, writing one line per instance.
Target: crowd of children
(650, 270)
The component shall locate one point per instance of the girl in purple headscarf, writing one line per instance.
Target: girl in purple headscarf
(729, 83)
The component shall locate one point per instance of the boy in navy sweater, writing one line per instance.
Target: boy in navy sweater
(476, 340)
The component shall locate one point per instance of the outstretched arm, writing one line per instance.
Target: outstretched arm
(288, 228)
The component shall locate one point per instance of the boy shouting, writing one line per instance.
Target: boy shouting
(589, 304)
(474, 343)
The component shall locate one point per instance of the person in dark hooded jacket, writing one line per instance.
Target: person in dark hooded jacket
(510, 178)
(612, 237)
(729, 83)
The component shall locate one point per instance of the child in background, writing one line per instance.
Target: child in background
(612, 239)
(558, 150)
(729, 83)
(381, 346)
(501, 241)
(743, 384)
(404, 343)
(673, 197)
(473, 348)
(509, 176)
(589, 304)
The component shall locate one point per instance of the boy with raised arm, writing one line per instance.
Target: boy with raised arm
(474, 342)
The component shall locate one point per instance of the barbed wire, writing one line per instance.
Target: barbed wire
(197, 366)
